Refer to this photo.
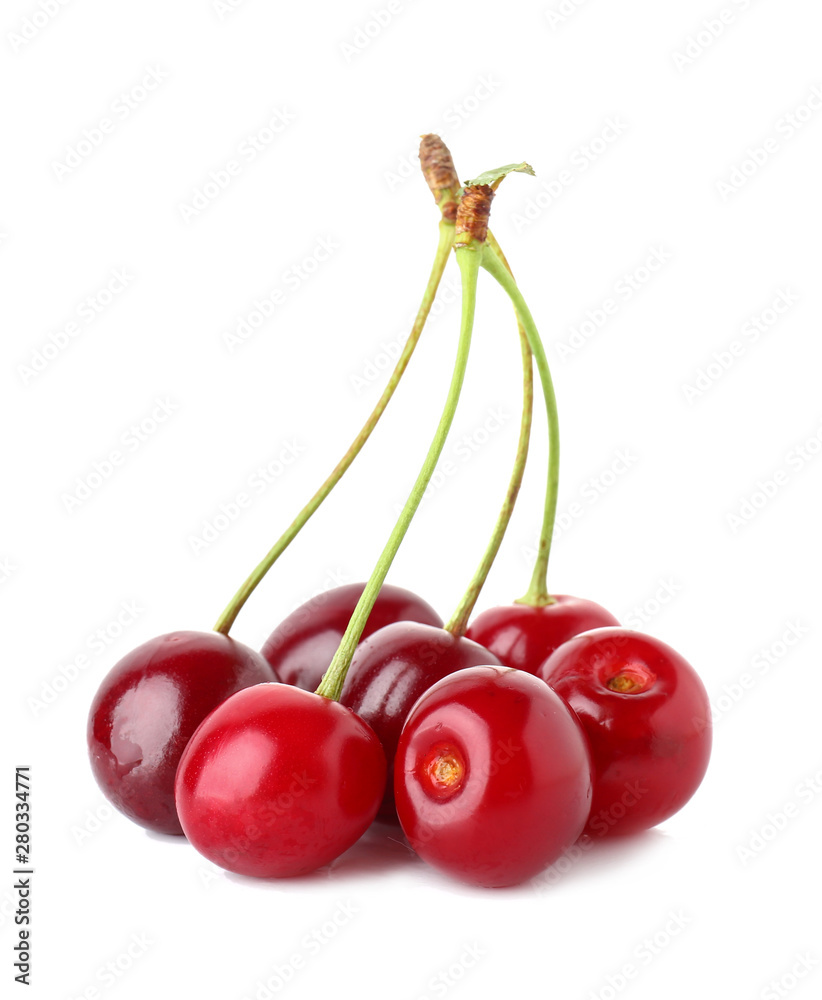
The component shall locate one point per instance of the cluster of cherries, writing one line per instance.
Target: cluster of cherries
(495, 744)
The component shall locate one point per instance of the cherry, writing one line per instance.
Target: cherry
(647, 717)
(147, 708)
(493, 776)
(302, 645)
(523, 636)
(391, 670)
(278, 781)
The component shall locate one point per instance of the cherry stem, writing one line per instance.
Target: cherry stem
(332, 683)
(227, 618)
(537, 594)
(459, 620)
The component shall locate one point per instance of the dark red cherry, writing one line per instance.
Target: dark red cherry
(391, 669)
(278, 781)
(648, 720)
(523, 637)
(147, 708)
(493, 776)
(301, 647)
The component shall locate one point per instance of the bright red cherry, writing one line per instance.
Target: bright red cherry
(279, 781)
(647, 717)
(523, 636)
(147, 708)
(391, 670)
(493, 776)
(303, 644)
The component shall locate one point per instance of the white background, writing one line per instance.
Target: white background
(726, 913)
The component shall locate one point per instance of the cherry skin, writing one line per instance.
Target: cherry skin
(391, 669)
(279, 781)
(303, 644)
(493, 776)
(522, 636)
(147, 708)
(648, 720)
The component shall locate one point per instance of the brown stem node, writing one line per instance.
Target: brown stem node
(472, 215)
(440, 174)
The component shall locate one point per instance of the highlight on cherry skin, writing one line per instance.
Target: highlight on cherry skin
(278, 782)
(523, 636)
(391, 669)
(147, 708)
(493, 776)
(303, 644)
(647, 717)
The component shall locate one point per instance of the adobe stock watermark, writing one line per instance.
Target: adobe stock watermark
(452, 118)
(256, 484)
(768, 487)
(130, 441)
(494, 760)
(443, 981)
(802, 965)
(462, 451)
(643, 955)
(89, 310)
(778, 820)
(220, 179)
(299, 614)
(578, 163)
(311, 945)
(733, 692)
(758, 155)
(95, 644)
(622, 291)
(111, 973)
(750, 333)
(633, 793)
(563, 12)
(266, 304)
(266, 818)
(7, 569)
(641, 615)
(709, 31)
(91, 823)
(371, 28)
(222, 8)
(119, 111)
(588, 495)
(382, 361)
(30, 27)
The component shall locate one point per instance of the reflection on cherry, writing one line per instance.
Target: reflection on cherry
(523, 636)
(279, 781)
(647, 717)
(147, 708)
(303, 644)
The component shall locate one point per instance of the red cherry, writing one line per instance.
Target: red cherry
(523, 636)
(147, 708)
(648, 720)
(493, 776)
(278, 781)
(303, 644)
(391, 670)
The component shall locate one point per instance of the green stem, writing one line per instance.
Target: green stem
(459, 620)
(226, 619)
(537, 594)
(332, 683)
